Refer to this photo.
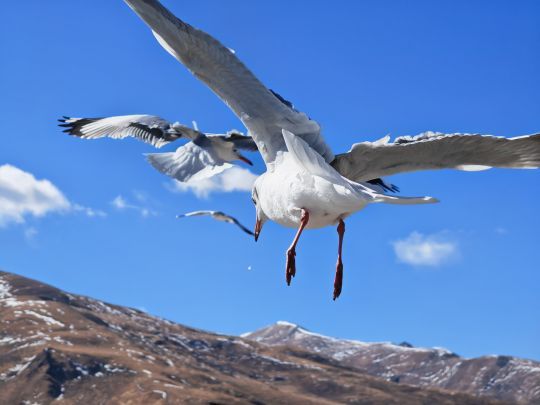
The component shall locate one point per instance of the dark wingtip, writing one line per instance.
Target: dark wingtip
(381, 183)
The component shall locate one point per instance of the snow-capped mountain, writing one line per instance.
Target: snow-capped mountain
(502, 377)
(57, 347)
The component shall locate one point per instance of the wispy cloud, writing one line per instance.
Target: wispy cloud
(22, 195)
(425, 250)
(233, 179)
(30, 233)
(121, 204)
(89, 212)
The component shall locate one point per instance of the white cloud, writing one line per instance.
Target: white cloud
(120, 203)
(22, 196)
(425, 250)
(233, 179)
(89, 212)
(30, 233)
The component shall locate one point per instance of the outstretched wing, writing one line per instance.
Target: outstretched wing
(196, 213)
(261, 111)
(242, 227)
(432, 150)
(191, 161)
(148, 128)
(218, 215)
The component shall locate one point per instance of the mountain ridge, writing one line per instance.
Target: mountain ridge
(498, 376)
(61, 347)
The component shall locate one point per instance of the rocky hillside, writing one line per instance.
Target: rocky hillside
(502, 377)
(67, 349)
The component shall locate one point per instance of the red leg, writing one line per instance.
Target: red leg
(290, 267)
(339, 265)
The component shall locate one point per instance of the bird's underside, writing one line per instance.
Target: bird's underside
(268, 116)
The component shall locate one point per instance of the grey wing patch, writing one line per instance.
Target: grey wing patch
(433, 150)
(261, 111)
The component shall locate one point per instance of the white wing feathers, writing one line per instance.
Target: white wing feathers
(430, 150)
(148, 128)
(263, 113)
(188, 162)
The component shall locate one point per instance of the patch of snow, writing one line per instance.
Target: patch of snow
(8, 340)
(114, 369)
(241, 343)
(4, 289)
(147, 372)
(173, 386)
(58, 339)
(47, 319)
(115, 327)
(17, 369)
(285, 323)
(61, 396)
(277, 361)
(162, 393)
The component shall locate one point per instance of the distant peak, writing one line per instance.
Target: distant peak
(285, 323)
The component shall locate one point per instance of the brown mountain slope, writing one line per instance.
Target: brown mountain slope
(502, 377)
(60, 347)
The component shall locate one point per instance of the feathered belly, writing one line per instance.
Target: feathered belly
(325, 202)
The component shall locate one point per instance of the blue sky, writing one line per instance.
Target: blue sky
(463, 274)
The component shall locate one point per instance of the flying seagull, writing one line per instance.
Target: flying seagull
(204, 156)
(305, 185)
(218, 215)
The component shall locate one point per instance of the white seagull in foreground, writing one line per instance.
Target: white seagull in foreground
(204, 156)
(305, 184)
(218, 215)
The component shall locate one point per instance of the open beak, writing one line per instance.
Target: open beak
(245, 159)
(258, 227)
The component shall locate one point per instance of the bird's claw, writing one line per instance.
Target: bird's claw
(290, 270)
(338, 281)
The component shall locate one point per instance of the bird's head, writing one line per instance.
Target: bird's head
(261, 217)
(230, 152)
(239, 156)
